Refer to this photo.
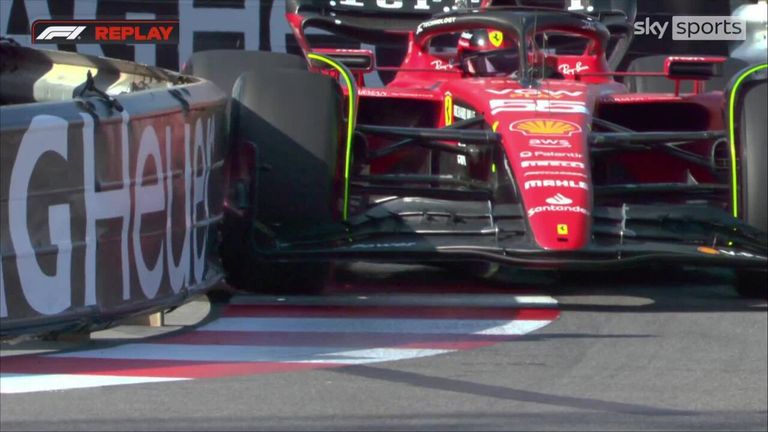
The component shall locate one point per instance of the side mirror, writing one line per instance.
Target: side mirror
(693, 68)
(357, 60)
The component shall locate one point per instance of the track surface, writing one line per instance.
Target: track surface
(628, 352)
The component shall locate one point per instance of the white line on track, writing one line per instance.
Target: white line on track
(376, 325)
(425, 300)
(243, 353)
(24, 383)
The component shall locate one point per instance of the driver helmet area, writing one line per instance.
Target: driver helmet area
(488, 53)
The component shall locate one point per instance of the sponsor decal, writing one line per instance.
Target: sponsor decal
(435, 22)
(545, 127)
(559, 199)
(629, 97)
(433, 6)
(105, 32)
(535, 93)
(557, 208)
(441, 65)
(554, 173)
(527, 154)
(562, 229)
(99, 234)
(463, 113)
(532, 184)
(537, 105)
(372, 92)
(496, 37)
(567, 69)
(551, 163)
(549, 143)
(448, 108)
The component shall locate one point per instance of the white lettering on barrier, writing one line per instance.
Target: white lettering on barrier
(200, 196)
(50, 292)
(3, 304)
(148, 199)
(101, 205)
(44, 136)
(178, 275)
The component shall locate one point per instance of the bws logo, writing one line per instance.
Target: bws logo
(534, 127)
(66, 32)
(105, 32)
(549, 143)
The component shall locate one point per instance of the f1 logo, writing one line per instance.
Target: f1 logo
(67, 32)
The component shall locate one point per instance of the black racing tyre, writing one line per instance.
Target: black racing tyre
(753, 137)
(248, 272)
(223, 67)
(293, 119)
(751, 134)
(752, 283)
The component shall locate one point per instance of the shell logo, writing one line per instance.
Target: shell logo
(545, 127)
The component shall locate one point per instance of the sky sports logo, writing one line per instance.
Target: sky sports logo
(686, 28)
(105, 32)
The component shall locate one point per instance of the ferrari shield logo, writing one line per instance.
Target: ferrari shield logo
(562, 229)
(496, 37)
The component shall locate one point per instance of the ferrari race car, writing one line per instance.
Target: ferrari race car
(507, 137)
(503, 139)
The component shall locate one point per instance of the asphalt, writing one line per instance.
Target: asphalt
(652, 350)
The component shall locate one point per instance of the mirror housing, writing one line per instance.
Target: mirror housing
(693, 68)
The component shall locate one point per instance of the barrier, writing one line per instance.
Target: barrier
(111, 189)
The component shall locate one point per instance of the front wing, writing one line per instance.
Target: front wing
(413, 230)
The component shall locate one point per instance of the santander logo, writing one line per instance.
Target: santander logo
(559, 199)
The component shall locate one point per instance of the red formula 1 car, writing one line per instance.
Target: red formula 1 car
(503, 137)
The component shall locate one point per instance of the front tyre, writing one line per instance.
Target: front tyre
(752, 284)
